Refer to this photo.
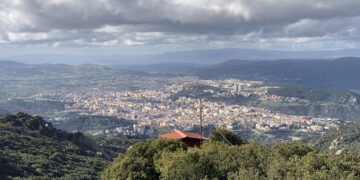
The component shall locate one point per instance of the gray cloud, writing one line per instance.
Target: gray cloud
(146, 22)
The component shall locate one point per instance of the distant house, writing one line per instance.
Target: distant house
(191, 139)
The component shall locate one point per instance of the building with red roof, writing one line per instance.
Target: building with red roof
(191, 139)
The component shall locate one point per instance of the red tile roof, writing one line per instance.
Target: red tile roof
(181, 135)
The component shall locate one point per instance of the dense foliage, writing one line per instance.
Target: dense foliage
(226, 136)
(163, 159)
(31, 148)
(140, 161)
(116, 144)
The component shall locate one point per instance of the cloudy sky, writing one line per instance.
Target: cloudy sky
(151, 26)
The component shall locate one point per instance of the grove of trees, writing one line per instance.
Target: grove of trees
(217, 159)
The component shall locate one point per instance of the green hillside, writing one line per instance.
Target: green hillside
(86, 124)
(43, 108)
(22, 80)
(343, 138)
(31, 148)
(344, 105)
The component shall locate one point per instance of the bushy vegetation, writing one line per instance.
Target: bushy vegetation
(164, 159)
(226, 136)
(31, 148)
(140, 161)
(118, 143)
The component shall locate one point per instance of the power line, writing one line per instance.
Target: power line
(201, 119)
(222, 135)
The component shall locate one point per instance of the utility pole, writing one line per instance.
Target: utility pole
(201, 121)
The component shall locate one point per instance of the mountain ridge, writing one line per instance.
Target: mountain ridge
(206, 56)
(339, 74)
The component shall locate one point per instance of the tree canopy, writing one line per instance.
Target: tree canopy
(224, 135)
(217, 159)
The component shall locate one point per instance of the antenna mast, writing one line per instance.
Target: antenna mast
(200, 122)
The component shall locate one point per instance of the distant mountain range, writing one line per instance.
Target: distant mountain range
(338, 74)
(212, 56)
(341, 74)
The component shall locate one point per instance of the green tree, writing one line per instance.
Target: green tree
(226, 136)
(139, 161)
(251, 160)
(190, 164)
(215, 160)
(280, 155)
(286, 150)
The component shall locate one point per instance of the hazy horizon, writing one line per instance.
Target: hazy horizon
(208, 56)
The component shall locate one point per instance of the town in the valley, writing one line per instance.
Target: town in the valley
(157, 108)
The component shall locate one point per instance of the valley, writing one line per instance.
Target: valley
(264, 111)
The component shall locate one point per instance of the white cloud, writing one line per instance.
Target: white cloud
(27, 36)
(204, 22)
(129, 42)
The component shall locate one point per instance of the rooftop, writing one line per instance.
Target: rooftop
(181, 135)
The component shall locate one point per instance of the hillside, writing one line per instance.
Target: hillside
(43, 108)
(344, 105)
(22, 80)
(341, 74)
(344, 138)
(88, 124)
(31, 148)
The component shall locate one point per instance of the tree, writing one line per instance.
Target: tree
(190, 164)
(224, 135)
(139, 161)
(286, 150)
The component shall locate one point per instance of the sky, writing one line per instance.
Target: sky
(153, 26)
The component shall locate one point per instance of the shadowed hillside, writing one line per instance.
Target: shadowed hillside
(33, 148)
